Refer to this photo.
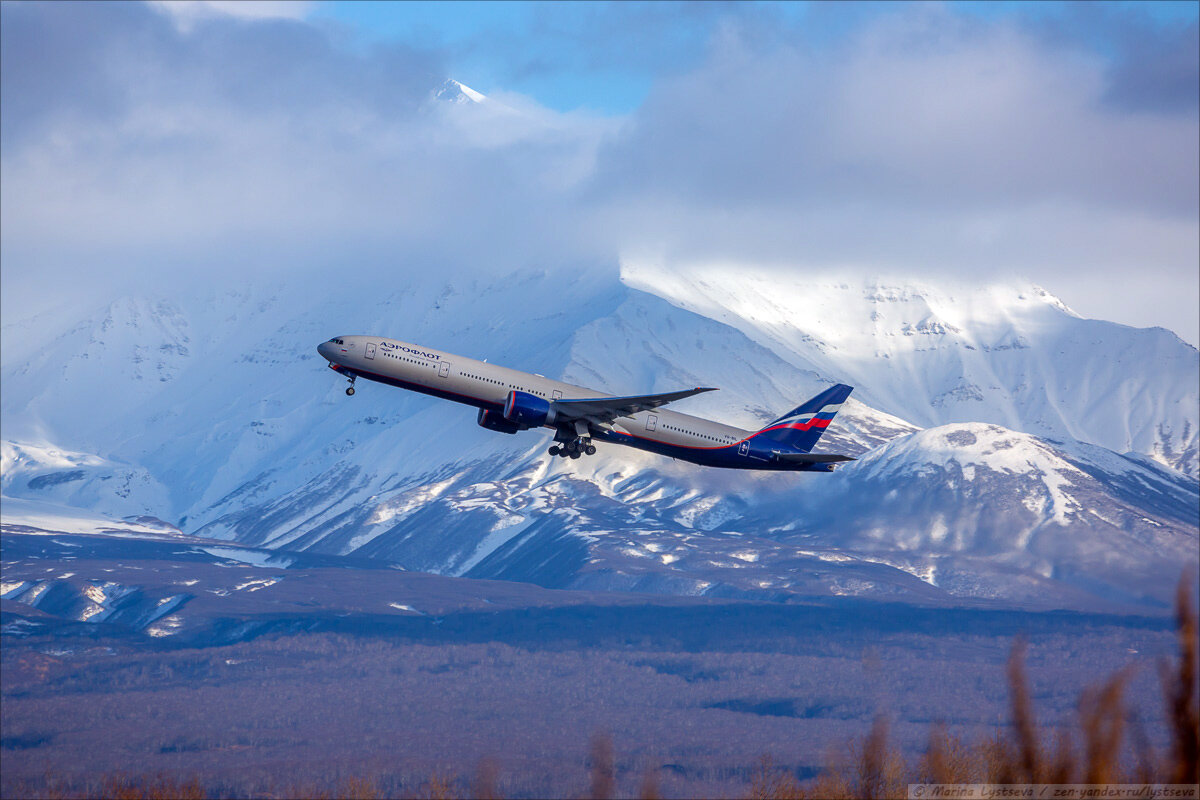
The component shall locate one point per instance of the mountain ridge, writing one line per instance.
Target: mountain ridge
(232, 430)
(1010, 354)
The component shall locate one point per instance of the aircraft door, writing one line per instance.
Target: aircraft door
(370, 350)
(744, 449)
(556, 395)
(444, 369)
(651, 422)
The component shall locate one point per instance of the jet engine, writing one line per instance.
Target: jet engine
(528, 410)
(494, 422)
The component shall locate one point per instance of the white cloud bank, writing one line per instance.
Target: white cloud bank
(928, 144)
(920, 142)
(187, 13)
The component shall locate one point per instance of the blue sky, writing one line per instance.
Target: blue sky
(606, 56)
(1046, 142)
(565, 55)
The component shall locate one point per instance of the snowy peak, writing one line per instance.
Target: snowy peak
(987, 504)
(966, 445)
(856, 316)
(1012, 355)
(1061, 482)
(77, 480)
(458, 93)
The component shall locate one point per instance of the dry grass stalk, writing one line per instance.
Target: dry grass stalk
(486, 778)
(833, 784)
(998, 759)
(600, 766)
(1103, 717)
(1145, 753)
(1061, 768)
(123, 787)
(949, 760)
(1180, 689)
(440, 786)
(872, 770)
(880, 770)
(1024, 724)
(358, 789)
(774, 783)
(649, 789)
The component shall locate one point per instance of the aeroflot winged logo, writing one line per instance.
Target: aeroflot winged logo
(510, 401)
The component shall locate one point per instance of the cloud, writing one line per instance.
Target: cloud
(1151, 50)
(141, 150)
(924, 142)
(920, 140)
(906, 113)
(1159, 72)
(187, 13)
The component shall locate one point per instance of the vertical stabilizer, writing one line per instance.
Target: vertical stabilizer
(800, 428)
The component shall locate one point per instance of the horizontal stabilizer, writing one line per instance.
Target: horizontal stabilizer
(813, 458)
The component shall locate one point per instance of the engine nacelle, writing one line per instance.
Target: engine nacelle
(528, 410)
(494, 422)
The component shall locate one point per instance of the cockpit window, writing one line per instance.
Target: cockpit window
(337, 341)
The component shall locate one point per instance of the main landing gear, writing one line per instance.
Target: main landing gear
(350, 388)
(574, 449)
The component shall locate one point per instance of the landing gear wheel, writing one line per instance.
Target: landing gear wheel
(590, 449)
(553, 450)
(350, 391)
(574, 454)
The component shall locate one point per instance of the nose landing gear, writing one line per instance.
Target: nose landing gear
(350, 388)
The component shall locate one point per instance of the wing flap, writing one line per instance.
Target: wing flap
(607, 409)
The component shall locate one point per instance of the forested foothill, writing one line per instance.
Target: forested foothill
(294, 685)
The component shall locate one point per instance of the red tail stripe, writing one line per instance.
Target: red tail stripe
(800, 426)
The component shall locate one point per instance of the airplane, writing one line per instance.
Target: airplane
(510, 401)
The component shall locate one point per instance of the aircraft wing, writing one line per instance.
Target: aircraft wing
(812, 458)
(607, 409)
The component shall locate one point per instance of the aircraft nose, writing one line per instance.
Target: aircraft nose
(326, 350)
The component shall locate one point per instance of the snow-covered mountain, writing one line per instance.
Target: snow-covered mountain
(980, 510)
(454, 92)
(215, 414)
(1012, 355)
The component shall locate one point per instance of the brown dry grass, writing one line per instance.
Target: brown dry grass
(1180, 689)
(600, 767)
(440, 786)
(123, 787)
(487, 777)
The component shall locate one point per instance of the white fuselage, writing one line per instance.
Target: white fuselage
(487, 386)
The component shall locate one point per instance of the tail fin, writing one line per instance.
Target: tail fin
(801, 427)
